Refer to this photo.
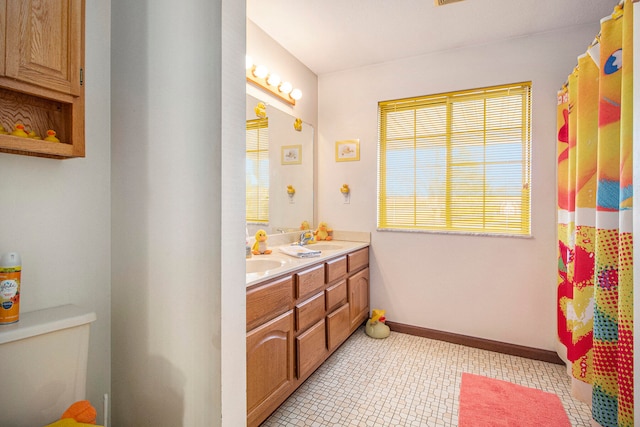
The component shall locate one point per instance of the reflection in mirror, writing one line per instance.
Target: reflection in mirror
(279, 171)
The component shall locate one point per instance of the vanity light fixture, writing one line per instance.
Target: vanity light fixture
(260, 76)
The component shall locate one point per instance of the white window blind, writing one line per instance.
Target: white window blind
(257, 170)
(456, 162)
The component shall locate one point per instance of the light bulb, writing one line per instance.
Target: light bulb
(296, 94)
(273, 79)
(285, 87)
(248, 62)
(261, 71)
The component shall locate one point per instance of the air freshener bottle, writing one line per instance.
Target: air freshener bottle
(10, 270)
(247, 248)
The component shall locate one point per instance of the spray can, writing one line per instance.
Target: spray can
(10, 270)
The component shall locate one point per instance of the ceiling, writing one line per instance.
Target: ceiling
(334, 35)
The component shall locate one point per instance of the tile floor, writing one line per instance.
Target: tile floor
(405, 380)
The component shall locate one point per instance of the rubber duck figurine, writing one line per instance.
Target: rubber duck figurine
(290, 190)
(260, 110)
(304, 226)
(33, 135)
(51, 136)
(323, 232)
(3, 131)
(297, 125)
(19, 131)
(345, 189)
(260, 246)
(375, 326)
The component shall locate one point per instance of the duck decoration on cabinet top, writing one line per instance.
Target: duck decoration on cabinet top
(19, 131)
(260, 246)
(3, 131)
(375, 326)
(51, 136)
(323, 232)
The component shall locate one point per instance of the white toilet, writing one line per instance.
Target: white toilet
(43, 365)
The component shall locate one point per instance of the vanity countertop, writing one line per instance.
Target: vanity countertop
(342, 243)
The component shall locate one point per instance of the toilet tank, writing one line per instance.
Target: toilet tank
(43, 365)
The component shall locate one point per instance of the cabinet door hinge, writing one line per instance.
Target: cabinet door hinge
(81, 76)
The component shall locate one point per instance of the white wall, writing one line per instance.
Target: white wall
(56, 214)
(178, 312)
(490, 287)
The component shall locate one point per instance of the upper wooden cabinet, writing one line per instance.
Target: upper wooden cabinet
(44, 43)
(41, 75)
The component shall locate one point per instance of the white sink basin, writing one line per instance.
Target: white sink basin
(324, 247)
(255, 265)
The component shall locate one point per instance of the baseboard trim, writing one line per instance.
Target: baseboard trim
(481, 343)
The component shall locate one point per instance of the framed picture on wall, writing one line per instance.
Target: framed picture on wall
(348, 150)
(291, 154)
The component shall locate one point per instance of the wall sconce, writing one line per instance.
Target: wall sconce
(291, 192)
(346, 192)
(260, 76)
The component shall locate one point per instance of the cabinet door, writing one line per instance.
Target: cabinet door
(270, 366)
(3, 32)
(337, 327)
(311, 349)
(44, 43)
(358, 286)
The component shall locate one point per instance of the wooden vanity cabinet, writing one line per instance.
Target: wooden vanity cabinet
(41, 75)
(295, 322)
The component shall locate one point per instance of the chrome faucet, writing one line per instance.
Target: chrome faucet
(305, 237)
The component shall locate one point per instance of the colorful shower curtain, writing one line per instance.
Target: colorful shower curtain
(595, 259)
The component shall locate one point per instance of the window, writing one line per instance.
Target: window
(257, 171)
(456, 162)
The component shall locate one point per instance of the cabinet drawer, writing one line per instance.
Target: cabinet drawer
(311, 348)
(337, 327)
(267, 301)
(309, 312)
(358, 259)
(336, 295)
(310, 281)
(336, 269)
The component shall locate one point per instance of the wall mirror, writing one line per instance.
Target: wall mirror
(279, 171)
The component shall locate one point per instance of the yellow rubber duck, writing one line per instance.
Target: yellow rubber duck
(323, 232)
(3, 131)
(19, 131)
(375, 326)
(344, 189)
(51, 136)
(260, 246)
(33, 135)
(297, 125)
(290, 190)
(260, 110)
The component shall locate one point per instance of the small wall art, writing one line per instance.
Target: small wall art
(348, 150)
(291, 154)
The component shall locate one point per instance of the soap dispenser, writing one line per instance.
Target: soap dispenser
(246, 244)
